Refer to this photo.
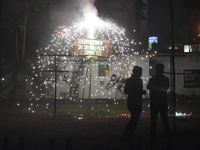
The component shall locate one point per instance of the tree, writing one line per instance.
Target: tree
(15, 14)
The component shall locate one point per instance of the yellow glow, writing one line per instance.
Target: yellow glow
(91, 57)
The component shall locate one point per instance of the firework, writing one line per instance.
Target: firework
(72, 78)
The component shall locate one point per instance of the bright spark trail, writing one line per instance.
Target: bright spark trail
(63, 43)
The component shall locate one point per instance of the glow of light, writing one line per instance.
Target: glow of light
(91, 19)
(62, 42)
(80, 118)
(182, 114)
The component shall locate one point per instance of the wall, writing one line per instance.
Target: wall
(102, 87)
(188, 61)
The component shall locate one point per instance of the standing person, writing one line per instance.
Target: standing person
(158, 86)
(134, 89)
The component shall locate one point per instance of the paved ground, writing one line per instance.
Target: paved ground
(93, 134)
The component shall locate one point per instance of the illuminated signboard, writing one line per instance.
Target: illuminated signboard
(151, 40)
(92, 47)
(187, 48)
(192, 48)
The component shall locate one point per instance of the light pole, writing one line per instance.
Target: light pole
(172, 62)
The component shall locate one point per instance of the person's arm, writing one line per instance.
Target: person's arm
(167, 84)
(126, 88)
(149, 84)
(143, 91)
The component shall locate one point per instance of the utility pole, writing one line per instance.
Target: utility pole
(55, 86)
(172, 64)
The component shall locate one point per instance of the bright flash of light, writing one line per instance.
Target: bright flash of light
(80, 118)
(182, 114)
(91, 20)
(63, 43)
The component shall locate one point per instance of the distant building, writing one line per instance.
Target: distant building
(186, 23)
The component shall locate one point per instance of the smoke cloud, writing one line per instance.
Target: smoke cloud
(90, 16)
(88, 9)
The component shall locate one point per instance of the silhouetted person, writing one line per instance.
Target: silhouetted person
(158, 86)
(134, 89)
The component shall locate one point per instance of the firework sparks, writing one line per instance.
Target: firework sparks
(62, 42)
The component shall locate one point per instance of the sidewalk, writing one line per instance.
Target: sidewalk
(95, 133)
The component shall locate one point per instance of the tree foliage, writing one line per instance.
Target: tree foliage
(16, 16)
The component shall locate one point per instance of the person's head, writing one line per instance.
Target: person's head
(159, 69)
(137, 71)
